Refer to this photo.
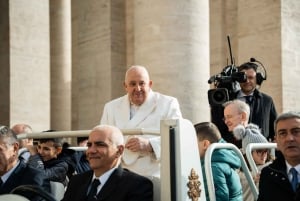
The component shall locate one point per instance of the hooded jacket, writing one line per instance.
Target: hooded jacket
(227, 184)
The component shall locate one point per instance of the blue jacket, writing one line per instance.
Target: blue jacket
(54, 169)
(227, 184)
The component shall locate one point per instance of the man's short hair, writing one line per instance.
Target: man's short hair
(285, 116)
(207, 131)
(247, 66)
(8, 135)
(116, 136)
(57, 142)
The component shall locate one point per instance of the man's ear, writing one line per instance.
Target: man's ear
(206, 144)
(244, 117)
(120, 150)
(16, 147)
(150, 83)
(58, 150)
(125, 86)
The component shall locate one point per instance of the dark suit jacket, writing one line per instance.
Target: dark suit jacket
(25, 175)
(122, 185)
(274, 184)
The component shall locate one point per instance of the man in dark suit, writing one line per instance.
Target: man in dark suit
(105, 148)
(15, 172)
(280, 180)
(262, 108)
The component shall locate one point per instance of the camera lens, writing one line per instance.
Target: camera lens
(218, 96)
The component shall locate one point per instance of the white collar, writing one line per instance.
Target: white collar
(242, 94)
(104, 177)
(288, 167)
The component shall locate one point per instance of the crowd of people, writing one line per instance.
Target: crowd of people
(115, 167)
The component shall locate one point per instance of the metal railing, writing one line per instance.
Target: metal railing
(209, 175)
(253, 146)
(83, 133)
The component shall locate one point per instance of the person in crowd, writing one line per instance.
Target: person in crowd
(280, 180)
(140, 108)
(107, 180)
(224, 163)
(80, 156)
(24, 153)
(15, 172)
(261, 157)
(76, 158)
(47, 158)
(82, 141)
(236, 112)
(262, 108)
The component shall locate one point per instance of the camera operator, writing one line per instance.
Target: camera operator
(262, 107)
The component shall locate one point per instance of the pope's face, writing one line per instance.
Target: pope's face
(137, 85)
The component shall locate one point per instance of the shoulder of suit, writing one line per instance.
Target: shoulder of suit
(261, 94)
(131, 174)
(85, 175)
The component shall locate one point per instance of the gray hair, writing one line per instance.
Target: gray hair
(240, 105)
(116, 136)
(137, 68)
(8, 136)
(285, 116)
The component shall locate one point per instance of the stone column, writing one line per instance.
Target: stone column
(29, 84)
(98, 58)
(60, 32)
(171, 38)
(259, 36)
(290, 63)
(4, 63)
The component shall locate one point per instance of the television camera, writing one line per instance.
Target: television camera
(226, 83)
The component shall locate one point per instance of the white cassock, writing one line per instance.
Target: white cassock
(148, 116)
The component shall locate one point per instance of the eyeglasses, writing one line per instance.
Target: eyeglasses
(228, 117)
(261, 151)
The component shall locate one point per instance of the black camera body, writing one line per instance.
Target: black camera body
(226, 85)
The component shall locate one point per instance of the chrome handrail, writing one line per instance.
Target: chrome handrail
(253, 146)
(83, 133)
(209, 175)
